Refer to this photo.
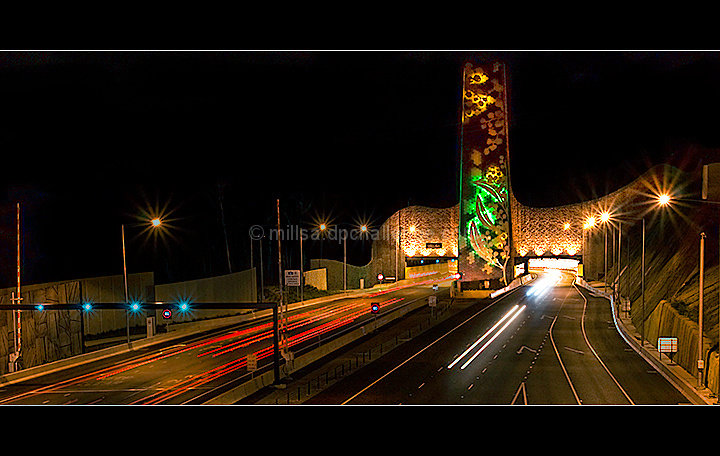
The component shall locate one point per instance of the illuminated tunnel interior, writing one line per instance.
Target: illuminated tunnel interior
(567, 264)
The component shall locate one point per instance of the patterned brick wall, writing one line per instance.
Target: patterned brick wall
(407, 233)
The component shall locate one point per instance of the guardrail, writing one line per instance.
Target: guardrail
(350, 335)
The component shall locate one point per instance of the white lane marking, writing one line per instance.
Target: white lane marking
(432, 343)
(593, 350)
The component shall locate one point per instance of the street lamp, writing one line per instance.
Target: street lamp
(589, 223)
(662, 200)
(665, 200)
(155, 223)
(322, 228)
(605, 218)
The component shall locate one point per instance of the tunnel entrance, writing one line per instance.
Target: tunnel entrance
(566, 263)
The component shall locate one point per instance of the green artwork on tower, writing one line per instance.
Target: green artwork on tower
(484, 237)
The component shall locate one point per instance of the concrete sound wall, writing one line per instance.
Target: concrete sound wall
(665, 321)
(236, 287)
(141, 287)
(335, 274)
(45, 336)
(316, 278)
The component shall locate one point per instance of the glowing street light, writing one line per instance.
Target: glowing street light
(155, 222)
(664, 199)
(589, 223)
(604, 218)
(566, 226)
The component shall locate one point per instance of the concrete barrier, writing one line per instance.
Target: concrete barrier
(176, 331)
(257, 383)
(517, 282)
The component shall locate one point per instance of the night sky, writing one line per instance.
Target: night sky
(93, 140)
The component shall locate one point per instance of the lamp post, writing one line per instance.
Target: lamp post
(604, 218)
(701, 291)
(642, 281)
(663, 200)
(589, 223)
(155, 223)
(322, 228)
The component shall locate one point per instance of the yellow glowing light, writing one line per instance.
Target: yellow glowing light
(566, 226)
(539, 250)
(156, 222)
(322, 227)
(363, 228)
(589, 223)
(412, 229)
(664, 199)
(604, 217)
(572, 250)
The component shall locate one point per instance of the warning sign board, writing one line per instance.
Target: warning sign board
(667, 344)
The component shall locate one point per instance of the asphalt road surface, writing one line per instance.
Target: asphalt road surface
(193, 370)
(548, 342)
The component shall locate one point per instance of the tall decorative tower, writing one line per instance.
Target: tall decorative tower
(484, 238)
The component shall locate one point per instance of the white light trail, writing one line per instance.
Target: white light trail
(541, 286)
(484, 336)
(493, 338)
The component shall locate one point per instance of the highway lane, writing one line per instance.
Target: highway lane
(195, 369)
(545, 343)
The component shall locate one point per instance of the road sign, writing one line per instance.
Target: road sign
(251, 362)
(667, 344)
(432, 301)
(374, 307)
(711, 182)
(167, 314)
(292, 278)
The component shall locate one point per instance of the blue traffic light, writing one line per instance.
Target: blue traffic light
(135, 306)
(40, 307)
(87, 307)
